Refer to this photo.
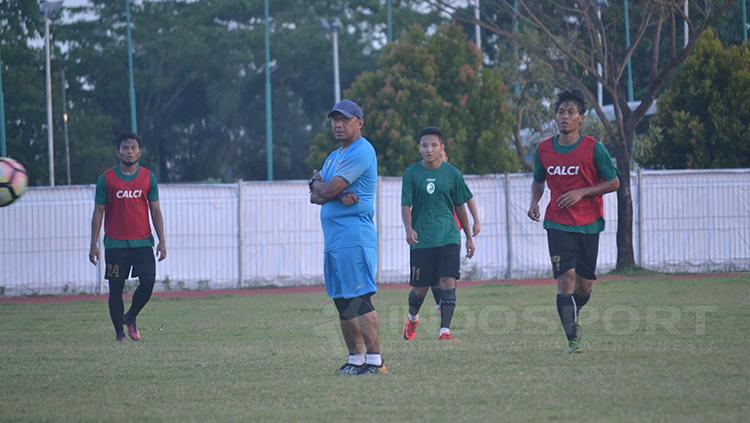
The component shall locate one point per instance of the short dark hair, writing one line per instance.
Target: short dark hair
(431, 130)
(127, 136)
(574, 95)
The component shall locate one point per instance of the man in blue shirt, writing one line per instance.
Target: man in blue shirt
(345, 188)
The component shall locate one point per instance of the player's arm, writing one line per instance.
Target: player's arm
(407, 203)
(327, 191)
(411, 234)
(474, 216)
(574, 196)
(315, 198)
(158, 219)
(607, 173)
(464, 219)
(537, 188)
(96, 225)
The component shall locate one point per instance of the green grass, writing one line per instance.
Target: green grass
(649, 355)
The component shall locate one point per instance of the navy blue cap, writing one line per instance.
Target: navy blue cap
(347, 108)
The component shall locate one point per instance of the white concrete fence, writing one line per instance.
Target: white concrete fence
(254, 234)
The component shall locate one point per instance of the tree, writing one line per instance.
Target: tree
(432, 81)
(572, 39)
(704, 117)
(200, 83)
(25, 125)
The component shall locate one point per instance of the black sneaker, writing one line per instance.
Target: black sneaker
(120, 337)
(371, 369)
(349, 369)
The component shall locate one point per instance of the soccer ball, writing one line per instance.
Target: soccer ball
(13, 181)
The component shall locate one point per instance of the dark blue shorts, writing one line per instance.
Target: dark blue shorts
(121, 260)
(572, 250)
(428, 265)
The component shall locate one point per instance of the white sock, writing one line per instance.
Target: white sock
(357, 359)
(374, 359)
(412, 318)
(444, 330)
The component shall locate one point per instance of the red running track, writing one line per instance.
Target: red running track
(320, 289)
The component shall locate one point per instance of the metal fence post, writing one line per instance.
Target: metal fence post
(508, 226)
(379, 223)
(640, 217)
(240, 234)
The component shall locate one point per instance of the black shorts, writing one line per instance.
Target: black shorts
(428, 265)
(571, 250)
(120, 260)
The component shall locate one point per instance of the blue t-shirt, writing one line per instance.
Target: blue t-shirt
(354, 225)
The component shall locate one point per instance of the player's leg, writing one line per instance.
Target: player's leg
(350, 330)
(447, 267)
(417, 295)
(359, 286)
(436, 293)
(420, 276)
(563, 253)
(116, 306)
(144, 267)
(585, 274)
(337, 265)
(116, 273)
(588, 251)
(369, 326)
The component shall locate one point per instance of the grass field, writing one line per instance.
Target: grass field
(655, 349)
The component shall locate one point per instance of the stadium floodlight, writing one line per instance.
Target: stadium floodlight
(50, 10)
(333, 26)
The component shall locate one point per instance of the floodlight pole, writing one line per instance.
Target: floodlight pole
(477, 30)
(3, 148)
(686, 33)
(336, 82)
(599, 90)
(65, 127)
(50, 140)
(269, 120)
(627, 46)
(516, 85)
(744, 20)
(131, 78)
(389, 13)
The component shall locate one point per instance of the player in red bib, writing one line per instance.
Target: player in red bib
(125, 196)
(578, 171)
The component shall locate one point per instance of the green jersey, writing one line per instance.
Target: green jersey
(432, 194)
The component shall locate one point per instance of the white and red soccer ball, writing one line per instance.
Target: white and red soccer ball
(13, 181)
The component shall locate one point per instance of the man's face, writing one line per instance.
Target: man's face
(430, 148)
(129, 152)
(568, 117)
(345, 128)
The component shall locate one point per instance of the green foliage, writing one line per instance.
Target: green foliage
(432, 81)
(23, 88)
(704, 117)
(199, 80)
